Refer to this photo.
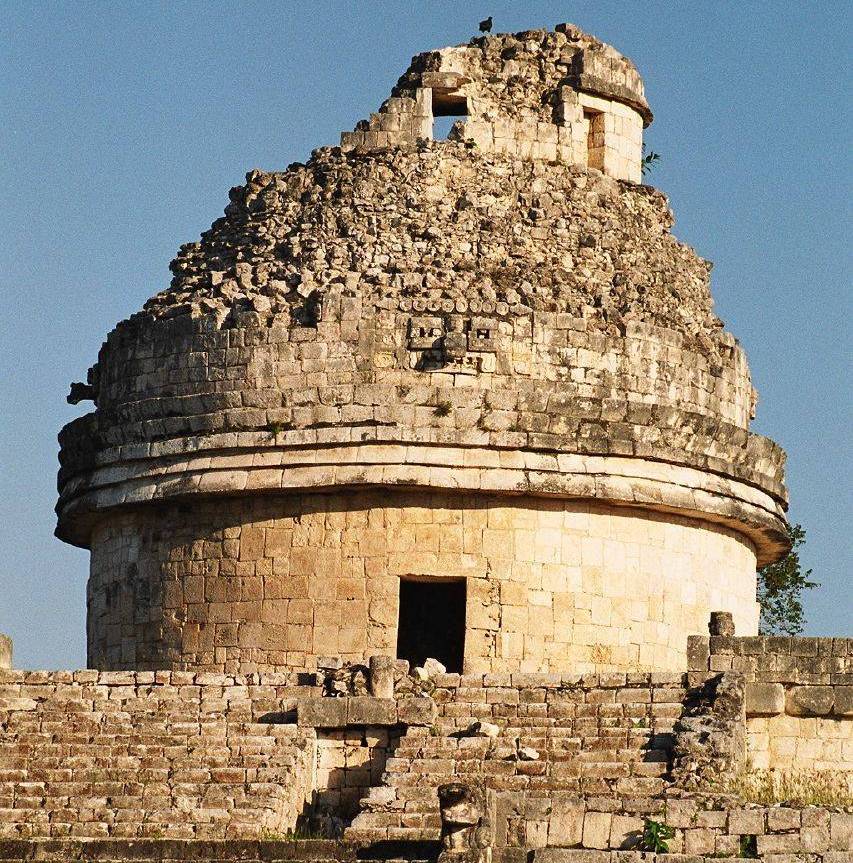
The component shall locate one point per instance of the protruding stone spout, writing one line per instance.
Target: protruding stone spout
(80, 392)
(463, 832)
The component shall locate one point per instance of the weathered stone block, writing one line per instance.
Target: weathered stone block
(721, 623)
(565, 826)
(416, 711)
(5, 651)
(322, 712)
(381, 679)
(809, 700)
(365, 710)
(681, 813)
(843, 701)
(778, 843)
(625, 832)
(765, 699)
(699, 840)
(781, 818)
(841, 831)
(746, 822)
(596, 829)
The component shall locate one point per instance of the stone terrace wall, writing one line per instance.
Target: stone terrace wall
(175, 851)
(149, 754)
(799, 697)
(781, 834)
(118, 851)
(582, 762)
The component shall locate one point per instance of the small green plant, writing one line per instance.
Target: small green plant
(442, 409)
(275, 428)
(749, 847)
(302, 833)
(656, 836)
(648, 160)
(268, 835)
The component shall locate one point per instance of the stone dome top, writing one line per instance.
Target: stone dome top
(512, 290)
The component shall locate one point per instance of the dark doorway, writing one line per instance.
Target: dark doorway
(432, 622)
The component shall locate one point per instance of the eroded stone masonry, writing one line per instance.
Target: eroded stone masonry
(409, 503)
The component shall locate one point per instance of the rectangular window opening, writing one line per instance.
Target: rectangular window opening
(448, 108)
(432, 622)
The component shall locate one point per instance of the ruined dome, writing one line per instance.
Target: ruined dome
(442, 324)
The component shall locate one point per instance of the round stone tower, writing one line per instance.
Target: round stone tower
(464, 398)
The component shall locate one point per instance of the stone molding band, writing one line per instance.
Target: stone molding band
(638, 483)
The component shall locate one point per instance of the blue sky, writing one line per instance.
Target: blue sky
(125, 124)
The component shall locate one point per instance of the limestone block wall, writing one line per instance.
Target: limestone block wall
(791, 743)
(288, 850)
(270, 582)
(799, 698)
(304, 851)
(598, 752)
(150, 379)
(607, 735)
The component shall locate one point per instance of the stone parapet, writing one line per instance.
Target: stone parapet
(324, 712)
(788, 660)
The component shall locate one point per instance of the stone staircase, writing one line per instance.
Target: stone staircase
(578, 738)
(94, 761)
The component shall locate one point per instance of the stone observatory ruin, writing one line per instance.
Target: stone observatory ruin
(424, 516)
(476, 376)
